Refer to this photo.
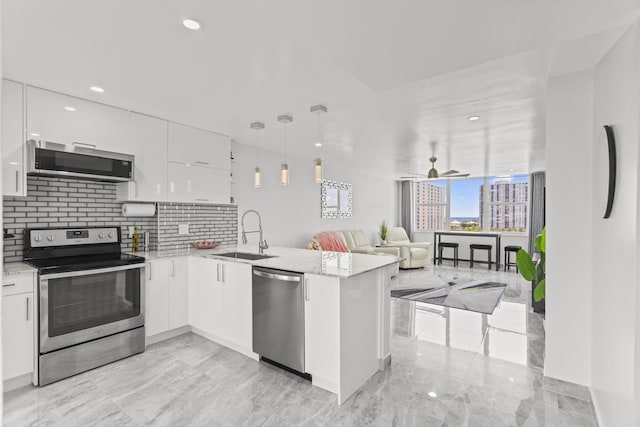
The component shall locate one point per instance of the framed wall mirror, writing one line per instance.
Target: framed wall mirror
(336, 199)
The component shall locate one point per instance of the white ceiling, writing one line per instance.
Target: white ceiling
(395, 75)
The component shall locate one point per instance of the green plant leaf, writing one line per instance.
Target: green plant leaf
(539, 291)
(537, 241)
(525, 265)
(543, 240)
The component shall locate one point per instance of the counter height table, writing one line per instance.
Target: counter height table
(437, 236)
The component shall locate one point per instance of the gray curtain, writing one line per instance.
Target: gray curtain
(406, 207)
(536, 207)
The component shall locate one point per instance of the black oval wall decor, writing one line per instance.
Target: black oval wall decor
(611, 143)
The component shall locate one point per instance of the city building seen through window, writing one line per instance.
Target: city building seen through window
(476, 204)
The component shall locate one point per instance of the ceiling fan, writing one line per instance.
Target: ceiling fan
(433, 173)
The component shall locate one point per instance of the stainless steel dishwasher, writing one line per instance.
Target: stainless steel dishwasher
(278, 317)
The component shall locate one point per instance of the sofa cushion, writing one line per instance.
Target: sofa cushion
(419, 253)
(331, 241)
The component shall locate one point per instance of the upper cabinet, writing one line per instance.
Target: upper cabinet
(149, 146)
(65, 119)
(196, 184)
(199, 147)
(14, 173)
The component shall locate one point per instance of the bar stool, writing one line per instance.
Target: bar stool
(475, 246)
(507, 257)
(453, 245)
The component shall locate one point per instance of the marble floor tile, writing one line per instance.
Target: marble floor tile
(449, 368)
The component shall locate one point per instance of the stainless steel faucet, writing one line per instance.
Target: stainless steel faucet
(262, 244)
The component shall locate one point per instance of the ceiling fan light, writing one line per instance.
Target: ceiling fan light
(433, 173)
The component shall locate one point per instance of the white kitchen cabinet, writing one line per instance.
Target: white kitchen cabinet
(55, 117)
(236, 304)
(149, 146)
(322, 328)
(196, 184)
(166, 294)
(205, 295)
(14, 173)
(194, 146)
(220, 300)
(17, 325)
(156, 316)
(178, 292)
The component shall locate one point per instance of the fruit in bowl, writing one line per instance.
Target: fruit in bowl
(205, 244)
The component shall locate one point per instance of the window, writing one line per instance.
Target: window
(508, 203)
(431, 205)
(478, 204)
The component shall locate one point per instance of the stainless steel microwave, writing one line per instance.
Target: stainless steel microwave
(78, 160)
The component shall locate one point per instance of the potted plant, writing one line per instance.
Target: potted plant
(535, 272)
(383, 233)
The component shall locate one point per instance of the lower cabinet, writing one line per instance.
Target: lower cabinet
(220, 300)
(166, 295)
(17, 325)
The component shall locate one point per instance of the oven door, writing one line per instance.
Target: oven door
(81, 306)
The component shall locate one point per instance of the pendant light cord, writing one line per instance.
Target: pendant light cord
(285, 142)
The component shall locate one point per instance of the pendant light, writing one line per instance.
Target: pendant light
(317, 162)
(257, 177)
(284, 167)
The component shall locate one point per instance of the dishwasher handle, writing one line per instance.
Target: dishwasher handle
(276, 276)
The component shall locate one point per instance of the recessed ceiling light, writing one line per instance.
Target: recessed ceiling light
(69, 108)
(318, 144)
(473, 118)
(432, 394)
(35, 134)
(191, 24)
(97, 89)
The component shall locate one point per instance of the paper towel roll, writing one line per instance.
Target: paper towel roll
(138, 209)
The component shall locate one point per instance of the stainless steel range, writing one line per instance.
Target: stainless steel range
(90, 299)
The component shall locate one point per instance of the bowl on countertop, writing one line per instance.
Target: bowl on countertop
(205, 244)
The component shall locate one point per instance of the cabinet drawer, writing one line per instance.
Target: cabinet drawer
(17, 284)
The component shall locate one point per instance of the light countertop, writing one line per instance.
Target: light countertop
(336, 264)
(11, 268)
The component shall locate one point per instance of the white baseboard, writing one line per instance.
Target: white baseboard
(166, 335)
(17, 382)
(226, 343)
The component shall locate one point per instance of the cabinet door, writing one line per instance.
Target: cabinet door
(17, 335)
(178, 292)
(149, 146)
(199, 147)
(156, 316)
(236, 306)
(205, 294)
(14, 173)
(195, 184)
(322, 327)
(65, 119)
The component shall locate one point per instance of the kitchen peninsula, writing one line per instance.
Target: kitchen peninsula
(346, 305)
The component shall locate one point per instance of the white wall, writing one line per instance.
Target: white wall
(615, 276)
(569, 243)
(291, 215)
(593, 308)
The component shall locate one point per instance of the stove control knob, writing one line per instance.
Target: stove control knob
(50, 238)
(37, 237)
(110, 235)
(101, 236)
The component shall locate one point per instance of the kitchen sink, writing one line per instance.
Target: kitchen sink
(245, 255)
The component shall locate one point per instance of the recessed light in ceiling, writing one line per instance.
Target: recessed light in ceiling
(35, 134)
(432, 394)
(191, 24)
(318, 144)
(69, 108)
(473, 118)
(97, 89)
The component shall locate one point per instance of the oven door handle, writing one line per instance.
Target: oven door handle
(93, 271)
